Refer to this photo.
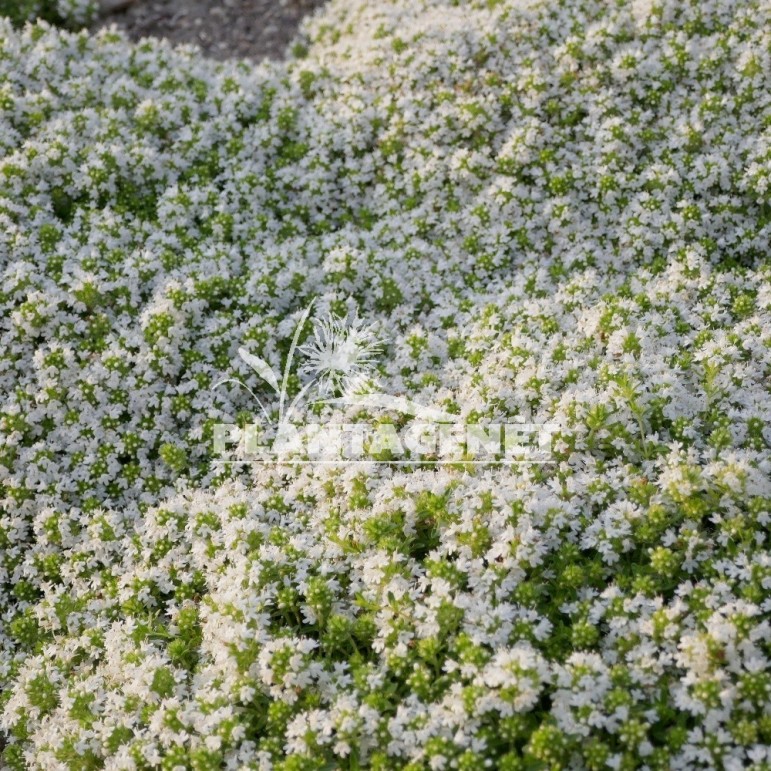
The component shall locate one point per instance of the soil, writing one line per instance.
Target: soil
(223, 29)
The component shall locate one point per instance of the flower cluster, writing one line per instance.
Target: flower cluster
(72, 13)
(553, 211)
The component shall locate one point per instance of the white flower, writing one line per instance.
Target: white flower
(340, 355)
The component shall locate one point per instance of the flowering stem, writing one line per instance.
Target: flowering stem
(290, 357)
(243, 385)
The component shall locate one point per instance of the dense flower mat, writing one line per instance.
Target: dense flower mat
(557, 210)
(72, 13)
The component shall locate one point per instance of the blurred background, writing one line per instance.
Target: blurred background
(223, 29)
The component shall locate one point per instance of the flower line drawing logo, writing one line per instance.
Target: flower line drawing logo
(341, 355)
(339, 370)
(340, 359)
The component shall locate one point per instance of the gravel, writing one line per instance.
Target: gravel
(223, 29)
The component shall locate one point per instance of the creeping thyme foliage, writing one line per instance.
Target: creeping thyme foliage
(558, 211)
(72, 13)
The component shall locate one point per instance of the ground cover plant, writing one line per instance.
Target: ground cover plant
(72, 13)
(556, 210)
